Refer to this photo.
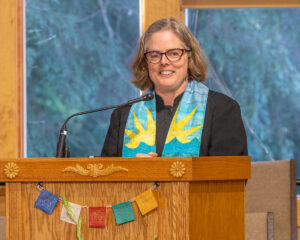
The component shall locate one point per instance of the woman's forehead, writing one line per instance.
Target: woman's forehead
(163, 40)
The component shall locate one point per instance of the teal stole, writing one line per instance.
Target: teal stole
(184, 135)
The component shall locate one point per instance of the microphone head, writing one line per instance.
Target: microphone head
(149, 96)
(146, 97)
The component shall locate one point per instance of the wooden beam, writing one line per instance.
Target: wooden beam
(204, 4)
(153, 10)
(2, 200)
(11, 79)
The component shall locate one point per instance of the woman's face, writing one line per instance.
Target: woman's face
(167, 77)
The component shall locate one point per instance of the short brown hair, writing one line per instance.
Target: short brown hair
(196, 67)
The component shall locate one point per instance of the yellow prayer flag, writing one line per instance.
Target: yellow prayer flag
(146, 201)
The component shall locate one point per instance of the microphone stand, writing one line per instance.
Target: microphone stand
(62, 150)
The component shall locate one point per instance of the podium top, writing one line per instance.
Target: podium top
(116, 169)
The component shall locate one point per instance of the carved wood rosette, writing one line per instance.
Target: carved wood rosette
(177, 169)
(11, 170)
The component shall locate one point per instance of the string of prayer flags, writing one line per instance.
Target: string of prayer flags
(75, 209)
(146, 201)
(97, 216)
(46, 201)
(123, 212)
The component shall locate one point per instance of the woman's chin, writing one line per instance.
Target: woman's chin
(167, 89)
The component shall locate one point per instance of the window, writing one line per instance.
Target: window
(78, 56)
(253, 57)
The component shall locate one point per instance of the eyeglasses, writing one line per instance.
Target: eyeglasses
(172, 55)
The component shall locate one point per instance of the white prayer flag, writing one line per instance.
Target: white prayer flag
(75, 208)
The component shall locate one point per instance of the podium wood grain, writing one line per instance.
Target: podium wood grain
(14, 220)
(219, 213)
(139, 169)
(169, 219)
(207, 203)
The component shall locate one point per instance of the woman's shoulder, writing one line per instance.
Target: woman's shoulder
(223, 132)
(220, 100)
(121, 111)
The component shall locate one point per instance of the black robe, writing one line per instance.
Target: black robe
(223, 130)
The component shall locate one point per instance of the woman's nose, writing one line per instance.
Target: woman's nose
(164, 59)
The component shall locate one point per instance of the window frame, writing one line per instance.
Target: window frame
(12, 55)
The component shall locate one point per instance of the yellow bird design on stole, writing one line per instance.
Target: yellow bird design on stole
(175, 130)
(148, 136)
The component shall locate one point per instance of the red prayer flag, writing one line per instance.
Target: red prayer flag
(97, 216)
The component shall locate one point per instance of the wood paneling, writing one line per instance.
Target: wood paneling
(220, 210)
(169, 220)
(11, 79)
(2, 201)
(202, 4)
(218, 168)
(14, 212)
(188, 208)
(196, 210)
(205, 210)
(154, 10)
(51, 169)
(139, 169)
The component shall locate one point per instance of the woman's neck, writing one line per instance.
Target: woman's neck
(168, 97)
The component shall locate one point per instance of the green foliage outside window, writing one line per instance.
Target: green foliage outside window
(78, 56)
(254, 57)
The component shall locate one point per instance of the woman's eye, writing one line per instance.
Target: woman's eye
(174, 53)
(154, 55)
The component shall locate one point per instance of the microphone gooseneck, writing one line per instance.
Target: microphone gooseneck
(62, 150)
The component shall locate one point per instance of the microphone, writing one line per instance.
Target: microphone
(145, 97)
(62, 150)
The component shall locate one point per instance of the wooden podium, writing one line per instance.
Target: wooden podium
(198, 198)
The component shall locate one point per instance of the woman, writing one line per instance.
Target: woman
(185, 118)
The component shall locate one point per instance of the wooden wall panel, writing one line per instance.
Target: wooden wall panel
(11, 79)
(156, 9)
(2, 201)
(240, 3)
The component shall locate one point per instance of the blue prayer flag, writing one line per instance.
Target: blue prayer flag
(46, 201)
(123, 212)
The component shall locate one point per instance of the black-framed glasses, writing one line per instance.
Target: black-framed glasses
(172, 55)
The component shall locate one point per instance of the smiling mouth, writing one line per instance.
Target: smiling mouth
(166, 73)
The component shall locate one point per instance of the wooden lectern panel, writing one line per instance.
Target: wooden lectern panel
(204, 202)
(169, 220)
(14, 221)
(138, 169)
(219, 210)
